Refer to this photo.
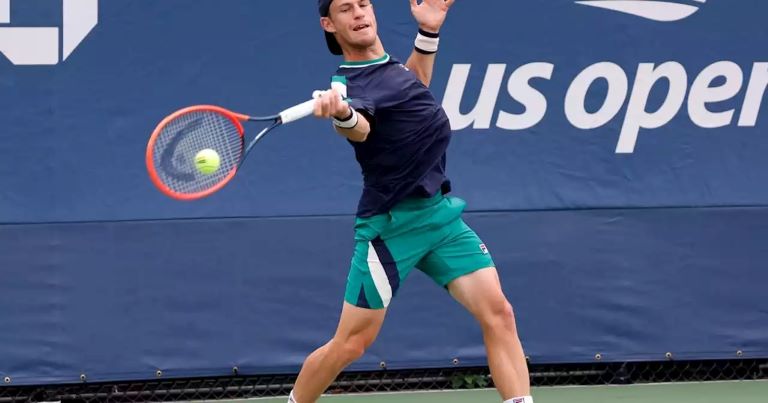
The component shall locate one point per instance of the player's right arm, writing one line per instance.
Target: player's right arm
(347, 121)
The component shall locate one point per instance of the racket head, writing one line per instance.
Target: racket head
(171, 150)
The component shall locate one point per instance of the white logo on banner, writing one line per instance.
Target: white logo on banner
(28, 46)
(691, 93)
(698, 100)
(663, 11)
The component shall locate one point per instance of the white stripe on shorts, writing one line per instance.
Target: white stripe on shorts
(379, 276)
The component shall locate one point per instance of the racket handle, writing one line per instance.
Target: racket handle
(297, 112)
(302, 110)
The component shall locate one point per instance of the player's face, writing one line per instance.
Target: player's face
(354, 23)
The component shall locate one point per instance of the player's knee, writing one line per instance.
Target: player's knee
(499, 317)
(351, 348)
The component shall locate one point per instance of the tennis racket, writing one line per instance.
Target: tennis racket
(177, 140)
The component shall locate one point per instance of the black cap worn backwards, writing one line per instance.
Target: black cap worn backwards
(333, 45)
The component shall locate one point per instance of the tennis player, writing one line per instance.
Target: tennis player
(405, 218)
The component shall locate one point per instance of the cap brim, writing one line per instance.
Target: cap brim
(333, 45)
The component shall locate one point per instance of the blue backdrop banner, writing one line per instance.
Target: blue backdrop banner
(612, 155)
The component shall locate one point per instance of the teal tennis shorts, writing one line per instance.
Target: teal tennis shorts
(427, 234)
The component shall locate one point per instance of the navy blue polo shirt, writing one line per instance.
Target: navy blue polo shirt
(405, 153)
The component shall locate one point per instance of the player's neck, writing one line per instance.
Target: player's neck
(366, 54)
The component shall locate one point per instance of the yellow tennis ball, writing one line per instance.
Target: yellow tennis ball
(207, 161)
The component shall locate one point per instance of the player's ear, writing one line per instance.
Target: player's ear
(327, 24)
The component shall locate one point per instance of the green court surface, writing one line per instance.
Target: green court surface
(714, 392)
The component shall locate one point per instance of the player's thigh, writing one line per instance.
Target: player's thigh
(480, 293)
(460, 253)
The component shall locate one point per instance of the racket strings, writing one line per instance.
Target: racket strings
(183, 137)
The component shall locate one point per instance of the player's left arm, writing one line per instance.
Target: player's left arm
(430, 15)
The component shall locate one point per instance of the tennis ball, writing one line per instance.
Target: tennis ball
(207, 161)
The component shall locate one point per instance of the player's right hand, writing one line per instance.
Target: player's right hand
(330, 105)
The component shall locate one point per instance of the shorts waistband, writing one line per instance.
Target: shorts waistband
(415, 203)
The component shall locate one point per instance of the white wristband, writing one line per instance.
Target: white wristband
(349, 123)
(426, 42)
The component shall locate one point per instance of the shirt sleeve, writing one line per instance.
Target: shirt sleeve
(362, 104)
(354, 95)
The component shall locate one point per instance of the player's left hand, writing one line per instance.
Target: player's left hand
(430, 14)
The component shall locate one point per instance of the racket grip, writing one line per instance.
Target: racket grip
(297, 112)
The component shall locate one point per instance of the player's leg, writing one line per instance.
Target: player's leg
(481, 293)
(462, 263)
(358, 328)
(375, 276)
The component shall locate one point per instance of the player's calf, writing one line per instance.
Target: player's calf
(324, 365)
(357, 330)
